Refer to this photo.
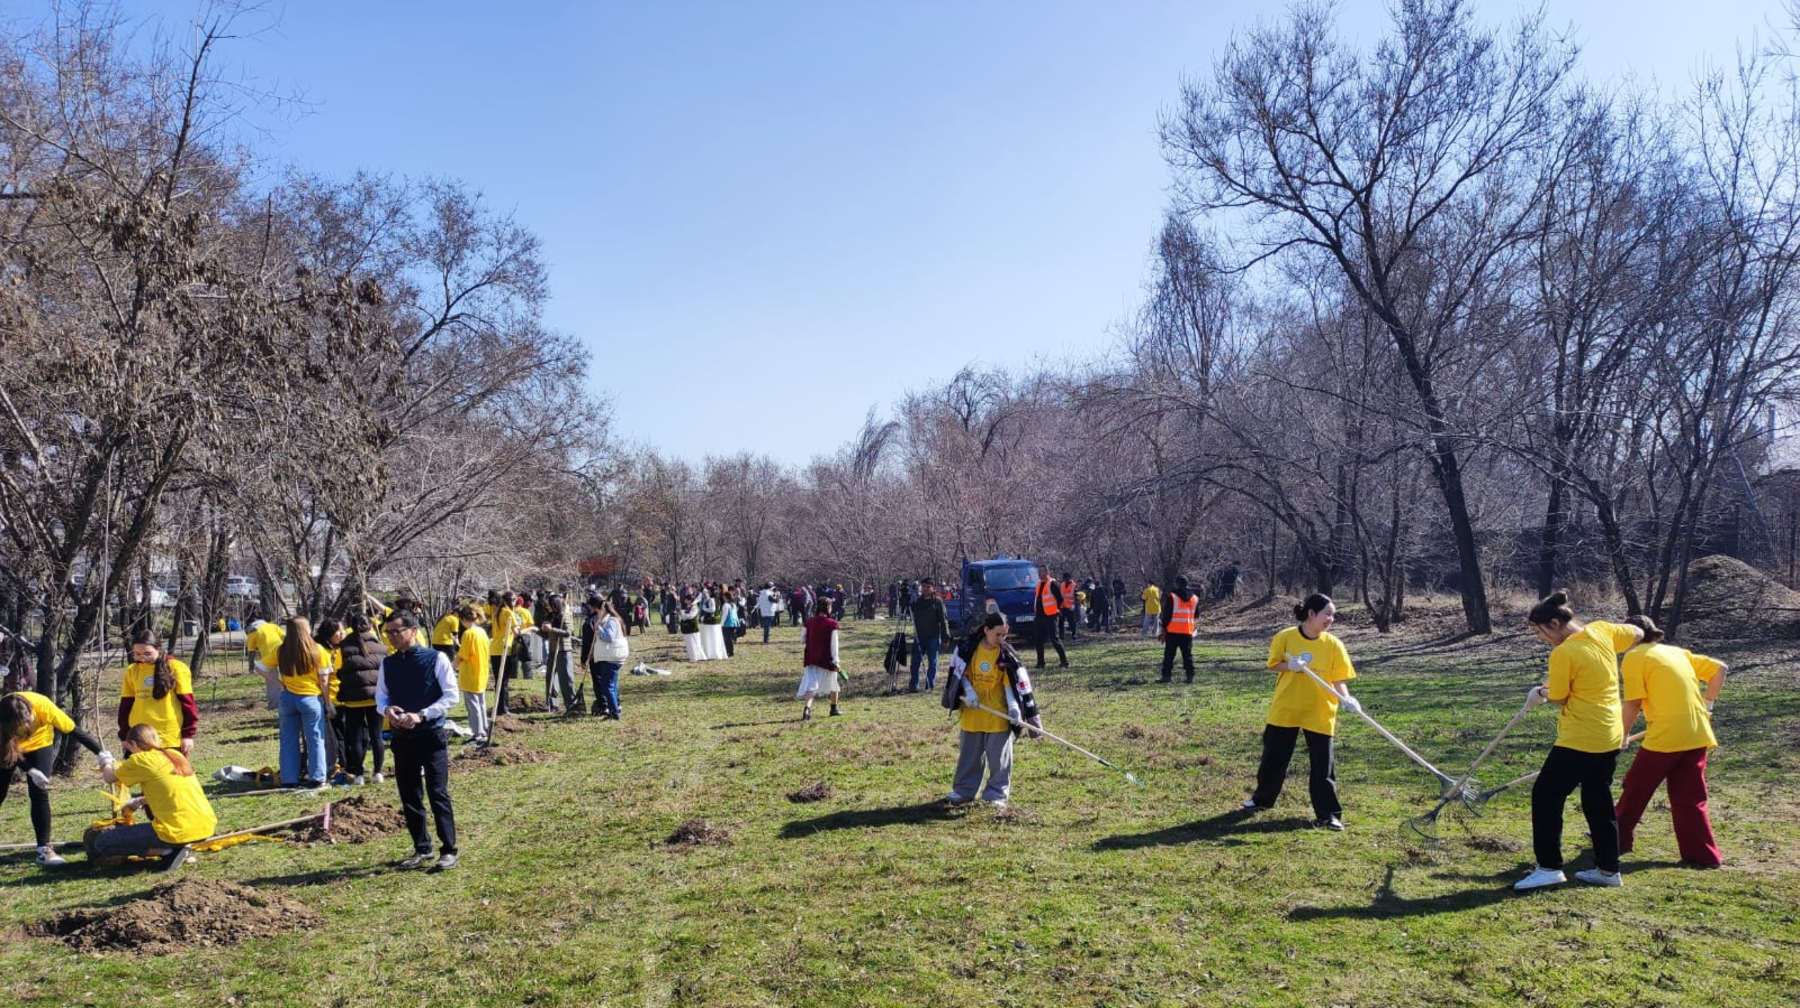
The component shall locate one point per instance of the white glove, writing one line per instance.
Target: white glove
(105, 758)
(1536, 696)
(1709, 706)
(1350, 704)
(37, 778)
(1295, 663)
(969, 695)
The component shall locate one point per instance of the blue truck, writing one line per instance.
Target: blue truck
(1009, 582)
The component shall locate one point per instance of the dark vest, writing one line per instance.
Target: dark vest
(362, 660)
(412, 683)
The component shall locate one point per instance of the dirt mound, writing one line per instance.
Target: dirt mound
(1013, 814)
(697, 833)
(179, 916)
(1496, 845)
(816, 791)
(1729, 599)
(525, 703)
(504, 755)
(356, 820)
(506, 724)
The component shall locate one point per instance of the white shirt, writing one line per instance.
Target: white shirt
(765, 602)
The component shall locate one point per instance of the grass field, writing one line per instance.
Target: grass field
(1087, 892)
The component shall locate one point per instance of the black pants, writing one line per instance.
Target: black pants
(730, 634)
(447, 650)
(360, 728)
(1564, 771)
(1045, 632)
(422, 769)
(1278, 752)
(1173, 642)
(40, 760)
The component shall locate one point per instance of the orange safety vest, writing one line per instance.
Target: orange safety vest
(1047, 598)
(1181, 614)
(1068, 590)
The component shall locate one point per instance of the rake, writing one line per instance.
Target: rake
(1425, 827)
(1482, 797)
(1133, 778)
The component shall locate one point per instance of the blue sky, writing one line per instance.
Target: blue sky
(766, 217)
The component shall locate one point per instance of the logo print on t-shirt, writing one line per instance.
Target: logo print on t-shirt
(986, 667)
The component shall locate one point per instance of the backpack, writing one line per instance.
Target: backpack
(896, 655)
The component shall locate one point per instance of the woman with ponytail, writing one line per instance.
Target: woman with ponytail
(1584, 683)
(1665, 682)
(28, 725)
(1301, 707)
(159, 692)
(180, 814)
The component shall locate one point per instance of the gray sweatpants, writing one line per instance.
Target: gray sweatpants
(475, 706)
(993, 749)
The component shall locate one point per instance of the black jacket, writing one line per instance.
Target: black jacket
(362, 654)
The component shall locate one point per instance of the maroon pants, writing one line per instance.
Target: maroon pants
(1686, 773)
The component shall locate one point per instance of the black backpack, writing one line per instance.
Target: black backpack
(896, 655)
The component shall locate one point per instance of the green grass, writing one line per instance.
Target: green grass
(1099, 893)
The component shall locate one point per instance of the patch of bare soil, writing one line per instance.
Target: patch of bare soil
(525, 703)
(506, 724)
(816, 791)
(1013, 814)
(358, 819)
(503, 755)
(697, 833)
(1494, 844)
(179, 916)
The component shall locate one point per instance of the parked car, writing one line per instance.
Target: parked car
(241, 587)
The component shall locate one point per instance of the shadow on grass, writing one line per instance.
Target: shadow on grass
(328, 876)
(1219, 827)
(1494, 889)
(755, 724)
(900, 815)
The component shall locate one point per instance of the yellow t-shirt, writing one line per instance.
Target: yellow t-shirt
(164, 715)
(521, 620)
(305, 682)
(334, 664)
(504, 628)
(445, 632)
(990, 687)
(1584, 678)
(1667, 679)
(181, 814)
(46, 720)
(268, 646)
(472, 661)
(1299, 702)
(1152, 597)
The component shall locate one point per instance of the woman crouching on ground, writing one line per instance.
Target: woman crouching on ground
(1665, 682)
(1302, 706)
(1584, 682)
(179, 812)
(986, 672)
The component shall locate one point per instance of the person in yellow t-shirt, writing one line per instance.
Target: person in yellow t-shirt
(446, 633)
(180, 813)
(28, 725)
(303, 670)
(1152, 597)
(985, 670)
(1665, 682)
(1301, 706)
(261, 644)
(1584, 683)
(158, 691)
(472, 670)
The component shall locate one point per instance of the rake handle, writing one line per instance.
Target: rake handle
(324, 816)
(1040, 731)
(1415, 757)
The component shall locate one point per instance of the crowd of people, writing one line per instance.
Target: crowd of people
(384, 681)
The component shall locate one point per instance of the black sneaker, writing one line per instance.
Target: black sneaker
(418, 860)
(834, 711)
(176, 858)
(1332, 823)
(806, 714)
(445, 862)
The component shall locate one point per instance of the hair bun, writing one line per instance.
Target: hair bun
(1559, 597)
(1300, 613)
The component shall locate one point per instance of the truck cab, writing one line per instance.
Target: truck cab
(1010, 583)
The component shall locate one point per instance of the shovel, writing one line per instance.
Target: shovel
(322, 818)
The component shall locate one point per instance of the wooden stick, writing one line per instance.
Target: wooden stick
(325, 816)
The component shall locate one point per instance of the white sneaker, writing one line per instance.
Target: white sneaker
(357, 781)
(380, 779)
(1541, 877)
(1594, 876)
(48, 857)
(999, 806)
